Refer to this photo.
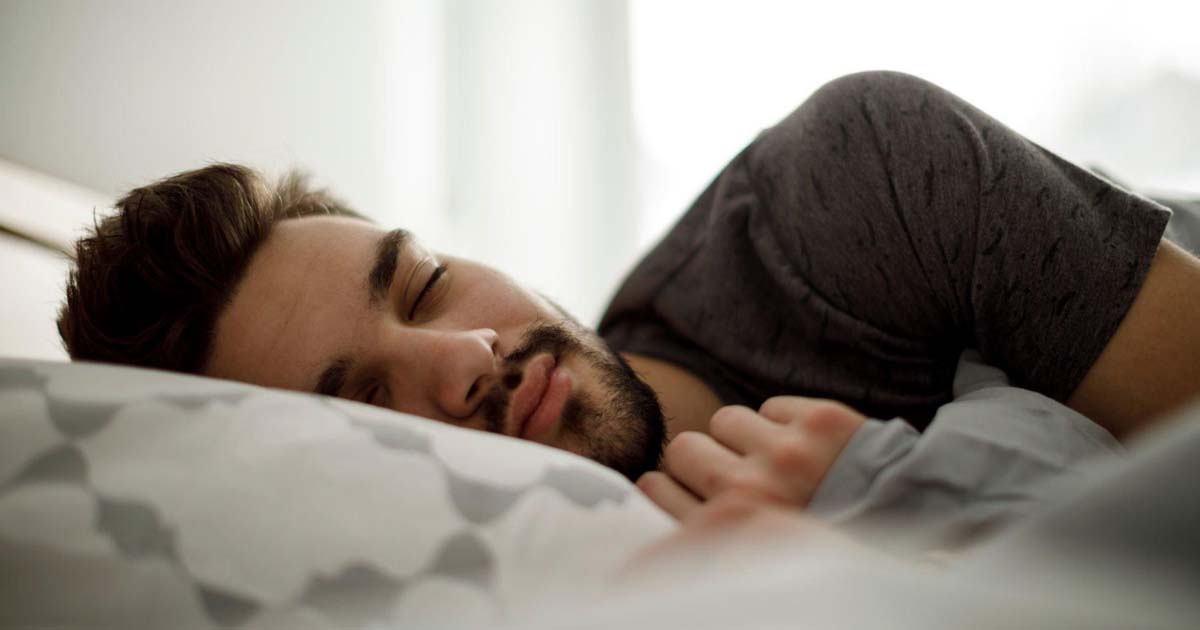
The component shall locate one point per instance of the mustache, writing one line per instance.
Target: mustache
(544, 337)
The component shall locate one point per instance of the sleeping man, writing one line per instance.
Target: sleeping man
(835, 270)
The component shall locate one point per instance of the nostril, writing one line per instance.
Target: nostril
(474, 388)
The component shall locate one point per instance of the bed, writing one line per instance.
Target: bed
(142, 499)
(40, 216)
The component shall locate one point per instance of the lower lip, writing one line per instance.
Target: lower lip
(549, 410)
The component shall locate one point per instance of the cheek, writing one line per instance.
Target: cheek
(497, 302)
(523, 300)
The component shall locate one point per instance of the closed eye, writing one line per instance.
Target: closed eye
(369, 396)
(433, 278)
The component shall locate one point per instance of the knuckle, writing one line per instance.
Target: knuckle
(714, 482)
(650, 481)
(830, 418)
(777, 406)
(791, 457)
(725, 417)
(744, 483)
(682, 443)
(739, 481)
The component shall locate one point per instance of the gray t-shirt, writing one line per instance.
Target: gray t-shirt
(855, 249)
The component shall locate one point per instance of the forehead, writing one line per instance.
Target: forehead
(301, 297)
(330, 239)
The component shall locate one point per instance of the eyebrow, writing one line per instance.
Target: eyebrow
(379, 285)
(383, 272)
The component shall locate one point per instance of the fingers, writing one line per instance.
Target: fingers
(701, 464)
(779, 454)
(827, 422)
(742, 430)
(785, 409)
(667, 494)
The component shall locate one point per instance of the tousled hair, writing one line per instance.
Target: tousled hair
(150, 281)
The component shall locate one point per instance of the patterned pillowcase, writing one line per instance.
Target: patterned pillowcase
(141, 498)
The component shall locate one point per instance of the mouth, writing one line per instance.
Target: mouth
(529, 394)
(537, 404)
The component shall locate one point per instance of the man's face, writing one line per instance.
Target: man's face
(341, 307)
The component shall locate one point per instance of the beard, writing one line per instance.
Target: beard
(620, 426)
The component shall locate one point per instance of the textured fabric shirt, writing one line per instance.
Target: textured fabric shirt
(855, 249)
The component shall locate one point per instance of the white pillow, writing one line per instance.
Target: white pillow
(141, 498)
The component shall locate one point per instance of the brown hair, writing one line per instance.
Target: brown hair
(150, 280)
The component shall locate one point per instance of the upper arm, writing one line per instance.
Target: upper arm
(1151, 365)
(920, 216)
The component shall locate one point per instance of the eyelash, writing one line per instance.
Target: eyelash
(370, 393)
(433, 279)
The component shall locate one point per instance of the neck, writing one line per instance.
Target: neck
(687, 402)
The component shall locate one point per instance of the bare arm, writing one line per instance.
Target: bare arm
(1151, 366)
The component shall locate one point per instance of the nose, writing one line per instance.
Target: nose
(469, 364)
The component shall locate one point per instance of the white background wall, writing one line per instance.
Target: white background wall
(557, 139)
(113, 94)
(1110, 82)
(499, 130)
(539, 136)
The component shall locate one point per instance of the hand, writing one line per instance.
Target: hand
(778, 455)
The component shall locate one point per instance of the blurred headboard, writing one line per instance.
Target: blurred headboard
(40, 217)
